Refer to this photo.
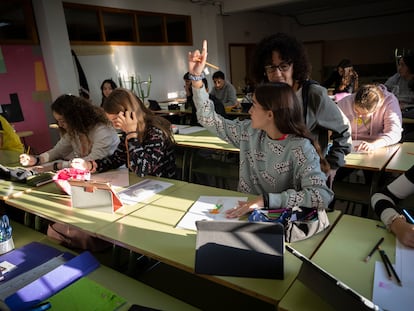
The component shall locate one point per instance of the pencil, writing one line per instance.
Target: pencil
(387, 259)
(28, 150)
(384, 261)
(373, 250)
(211, 65)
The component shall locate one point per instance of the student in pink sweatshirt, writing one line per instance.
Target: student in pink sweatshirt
(375, 117)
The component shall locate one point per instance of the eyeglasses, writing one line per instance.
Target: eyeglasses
(282, 67)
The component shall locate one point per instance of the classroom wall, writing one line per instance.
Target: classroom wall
(366, 41)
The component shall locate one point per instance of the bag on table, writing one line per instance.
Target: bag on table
(299, 224)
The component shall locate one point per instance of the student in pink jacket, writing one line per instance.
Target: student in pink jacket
(375, 117)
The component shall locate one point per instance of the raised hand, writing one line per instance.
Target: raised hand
(197, 60)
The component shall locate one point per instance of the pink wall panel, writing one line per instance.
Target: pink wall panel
(21, 64)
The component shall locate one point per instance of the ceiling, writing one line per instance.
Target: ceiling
(316, 12)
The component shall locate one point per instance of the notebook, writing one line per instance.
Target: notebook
(238, 248)
(330, 289)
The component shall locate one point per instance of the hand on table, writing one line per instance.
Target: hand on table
(244, 207)
(404, 231)
(27, 160)
(365, 146)
(80, 164)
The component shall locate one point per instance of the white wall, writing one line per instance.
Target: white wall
(165, 64)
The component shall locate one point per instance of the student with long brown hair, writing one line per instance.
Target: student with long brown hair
(279, 160)
(147, 143)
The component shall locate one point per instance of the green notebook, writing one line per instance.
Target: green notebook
(86, 295)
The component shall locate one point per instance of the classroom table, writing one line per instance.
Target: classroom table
(402, 160)
(155, 225)
(342, 254)
(204, 140)
(372, 161)
(132, 290)
(49, 202)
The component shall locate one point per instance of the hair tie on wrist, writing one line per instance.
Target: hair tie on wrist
(133, 132)
(55, 166)
(37, 160)
(193, 77)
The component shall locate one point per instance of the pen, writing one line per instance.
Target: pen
(408, 216)
(381, 226)
(384, 261)
(387, 259)
(28, 150)
(373, 250)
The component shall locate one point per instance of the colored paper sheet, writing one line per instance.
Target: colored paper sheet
(40, 77)
(86, 295)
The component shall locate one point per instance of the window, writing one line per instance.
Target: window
(103, 25)
(17, 22)
(83, 24)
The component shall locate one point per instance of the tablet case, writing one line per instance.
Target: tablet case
(243, 249)
(340, 296)
(94, 195)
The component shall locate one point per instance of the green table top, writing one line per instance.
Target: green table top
(155, 224)
(342, 254)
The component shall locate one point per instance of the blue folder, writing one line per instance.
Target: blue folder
(34, 254)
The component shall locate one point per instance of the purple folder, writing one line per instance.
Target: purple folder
(34, 254)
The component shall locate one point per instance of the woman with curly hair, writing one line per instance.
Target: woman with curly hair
(85, 132)
(279, 159)
(282, 58)
(147, 143)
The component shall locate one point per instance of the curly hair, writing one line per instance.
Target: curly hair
(123, 100)
(80, 115)
(287, 111)
(290, 50)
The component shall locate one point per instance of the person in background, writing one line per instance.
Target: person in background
(9, 140)
(107, 87)
(375, 117)
(279, 161)
(385, 203)
(224, 90)
(282, 58)
(376, 122)
(218, 105)
(147, 143)
(344, 79)
(402, 83)
(85, 132)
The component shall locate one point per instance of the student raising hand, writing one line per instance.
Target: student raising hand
(197, 61)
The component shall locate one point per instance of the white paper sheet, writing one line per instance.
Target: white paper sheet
(142, 190)
(387, 293)
(203, 209)
(117, 178)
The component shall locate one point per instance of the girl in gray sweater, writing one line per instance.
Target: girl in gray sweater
(279, 161)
